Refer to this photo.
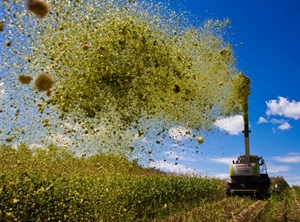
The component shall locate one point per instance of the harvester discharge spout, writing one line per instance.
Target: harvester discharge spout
(246, 132)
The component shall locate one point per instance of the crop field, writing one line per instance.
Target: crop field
(56, 185)
(283, 206)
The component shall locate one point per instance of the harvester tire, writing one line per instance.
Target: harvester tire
(227, 190)
(264, 194)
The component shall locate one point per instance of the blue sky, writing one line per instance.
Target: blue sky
(265, 36)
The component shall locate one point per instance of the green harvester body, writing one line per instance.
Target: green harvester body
(248, 174)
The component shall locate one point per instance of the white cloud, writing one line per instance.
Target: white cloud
(293, 180)
(61, 140)
(223, 160)
(277, 169)
(74, 128)
(180, 133)
(277, 121)
(290, 158)
(37, 146)
(262, 120)
(221, 176)
(175, 156)
(2, 89)
(171, 167)
(283, 107)
(233, 125)
(285, 126)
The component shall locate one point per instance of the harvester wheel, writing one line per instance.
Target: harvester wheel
(227, 190)
(264, 194)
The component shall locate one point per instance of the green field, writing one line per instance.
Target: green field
(54, 184)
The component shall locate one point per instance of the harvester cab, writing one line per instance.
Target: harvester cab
(248, 174)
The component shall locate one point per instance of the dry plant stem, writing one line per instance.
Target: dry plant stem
(251, 213)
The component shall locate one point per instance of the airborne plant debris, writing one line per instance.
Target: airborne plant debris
(240, 91)
(121, 70)
(25, 79)
(2, 23)
(38, 7)
(44, 82)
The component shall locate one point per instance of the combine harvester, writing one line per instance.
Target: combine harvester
(248, 174)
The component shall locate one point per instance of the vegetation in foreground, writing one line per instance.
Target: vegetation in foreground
(54, 184)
